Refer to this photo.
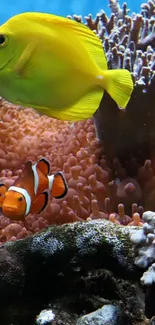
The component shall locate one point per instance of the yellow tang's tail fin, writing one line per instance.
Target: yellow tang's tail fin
(119, 85)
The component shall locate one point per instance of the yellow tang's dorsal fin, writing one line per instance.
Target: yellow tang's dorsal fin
(89, 39)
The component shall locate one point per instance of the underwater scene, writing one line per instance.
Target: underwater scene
(77, 163)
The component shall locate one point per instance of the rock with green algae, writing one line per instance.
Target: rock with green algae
(80, 261)
(72, 246)
(11, 275)
(61, 252)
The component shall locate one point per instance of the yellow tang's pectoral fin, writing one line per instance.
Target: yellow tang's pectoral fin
(83, 109)
(23, 64)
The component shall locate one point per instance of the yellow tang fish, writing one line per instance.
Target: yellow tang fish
(57, 66)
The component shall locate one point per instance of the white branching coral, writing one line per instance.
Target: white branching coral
(144, 247)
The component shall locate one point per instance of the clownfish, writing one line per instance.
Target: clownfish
(31, 191)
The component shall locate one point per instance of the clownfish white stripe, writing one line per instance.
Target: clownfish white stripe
(25, 194)
(50, 181)
(36, 178)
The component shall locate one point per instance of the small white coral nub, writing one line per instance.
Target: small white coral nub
(45, 317)
(149, 276)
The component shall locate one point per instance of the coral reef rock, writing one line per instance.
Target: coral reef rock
(108, 161)
(78, 268)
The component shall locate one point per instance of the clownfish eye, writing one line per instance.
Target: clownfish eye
(20, 199)
(3, 40)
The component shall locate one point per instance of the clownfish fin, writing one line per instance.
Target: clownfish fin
(44, 166)
(59, 186)
(27, 171)
(40, 203)
(28, 164)
(3, 190)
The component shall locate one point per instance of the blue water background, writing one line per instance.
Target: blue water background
(9, 8)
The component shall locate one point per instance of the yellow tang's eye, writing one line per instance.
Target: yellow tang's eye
(3, 40)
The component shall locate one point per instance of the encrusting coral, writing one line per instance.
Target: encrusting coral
(99, 187)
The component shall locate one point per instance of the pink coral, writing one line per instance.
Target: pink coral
(72, 148)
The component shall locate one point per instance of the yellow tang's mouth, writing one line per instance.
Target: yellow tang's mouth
(3, 66)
